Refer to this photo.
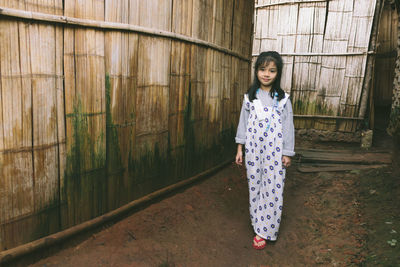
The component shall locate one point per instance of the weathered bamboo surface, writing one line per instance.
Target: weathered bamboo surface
(325, 48)
(92, 118)
(386, 56)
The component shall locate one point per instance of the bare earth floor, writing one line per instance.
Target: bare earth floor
(208, 225)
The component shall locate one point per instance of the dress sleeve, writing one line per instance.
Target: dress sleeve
(241, 129)
(288, 130)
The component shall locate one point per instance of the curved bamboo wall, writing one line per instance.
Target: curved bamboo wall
(386, 56)
(104, 101)
(325, 46)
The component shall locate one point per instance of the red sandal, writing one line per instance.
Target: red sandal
(257, 241)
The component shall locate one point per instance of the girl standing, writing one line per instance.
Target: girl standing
(266, 129)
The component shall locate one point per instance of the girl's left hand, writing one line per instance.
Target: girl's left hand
(286, 161)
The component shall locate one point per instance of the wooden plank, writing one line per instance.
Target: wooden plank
(345, 157)
(309, 168)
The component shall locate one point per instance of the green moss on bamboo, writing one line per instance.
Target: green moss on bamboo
(300, 107)
(164, 166)
(82, 144)
(156, 166)
(85, 174)
(113, 153)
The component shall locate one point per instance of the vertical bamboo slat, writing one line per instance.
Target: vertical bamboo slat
(227, 85)
(16, 161)
(85, 177)
(121, 69)
(180, 120)
(180, 106)
(198, 83)
(152, 97)
(44, 124)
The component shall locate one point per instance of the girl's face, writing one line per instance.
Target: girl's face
(267, 74)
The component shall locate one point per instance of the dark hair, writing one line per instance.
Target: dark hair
(262, 59)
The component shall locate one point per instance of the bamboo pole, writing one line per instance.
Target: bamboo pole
(327, 117)
(106, 25)
(325, 54)
(289, 3)
(11, 254)
(370, 61)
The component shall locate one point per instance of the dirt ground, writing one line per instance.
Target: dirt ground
(329, 219)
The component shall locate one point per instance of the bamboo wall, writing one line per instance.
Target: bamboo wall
(324, 45)
(111, 102)
(386, 56)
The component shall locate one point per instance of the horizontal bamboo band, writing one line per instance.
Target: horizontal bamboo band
(32, 76)
(307, 54)
(107, 25)
(31, 214)
(82, 114)
(326, 117)
(290, 3)
(32, 148)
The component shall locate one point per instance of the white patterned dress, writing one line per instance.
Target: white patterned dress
(265, 172)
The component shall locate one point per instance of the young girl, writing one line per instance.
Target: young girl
(266, 129)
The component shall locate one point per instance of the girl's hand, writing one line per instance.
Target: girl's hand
(286, 161)
(239, 155)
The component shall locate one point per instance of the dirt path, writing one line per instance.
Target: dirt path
(208, 225)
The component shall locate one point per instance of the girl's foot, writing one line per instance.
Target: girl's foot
(258, 242)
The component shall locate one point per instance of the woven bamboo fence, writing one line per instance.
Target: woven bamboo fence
(325, 47)
(103, 102)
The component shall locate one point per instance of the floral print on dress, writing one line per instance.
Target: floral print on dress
(266, 186)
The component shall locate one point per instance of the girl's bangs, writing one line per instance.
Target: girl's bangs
(264, 62)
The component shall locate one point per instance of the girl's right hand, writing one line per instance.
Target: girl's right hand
(239, 157)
